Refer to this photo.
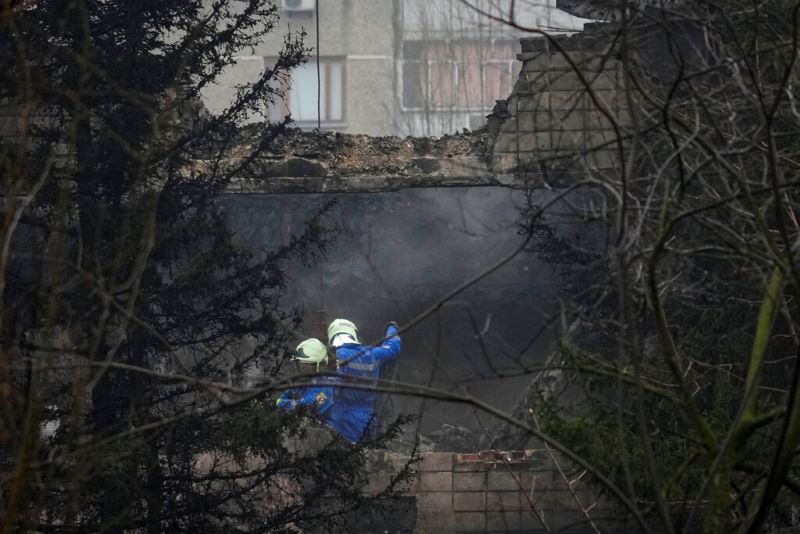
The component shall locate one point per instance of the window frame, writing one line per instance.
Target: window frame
(455, 66)
(283, 107)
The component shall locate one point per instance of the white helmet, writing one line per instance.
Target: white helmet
(342, 326)
(311, 351)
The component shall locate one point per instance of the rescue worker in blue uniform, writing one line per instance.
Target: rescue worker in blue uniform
(353, 414)
(310, 354)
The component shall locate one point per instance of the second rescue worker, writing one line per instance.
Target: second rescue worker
(353, 411)
(319, 395)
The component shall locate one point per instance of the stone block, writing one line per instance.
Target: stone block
(604, 80)
(569, 120)
(503, 521)
(538, 86)
(602, 159)
(469, 481)
(510, 125)
(532, 500)
(533, 121)
(408, 486)
(436, 461)
(435, 500)
(377, 482)
(432, 521)
(552, 499)
(539, 101)
(529, 162)
(584, 498)
(507, 142)
(501, 480)
(399, 461)
(530, 521)
(532, 45)
(593, 63)
(531, 480)
(567, 100)
(436, 481)
(535, 79)
(566, 81)
(611, 98)
(624, 117)
(603, 140)
(504, 500)
(597, 120)
(567, 140)
(539, 62)
(540, 43)
(511, 102)
(569, 471)
(470, 521)
(534, 141)
(501, 163)
(521, 87)
(469, 501)
(565, 61)
(603, 502)
(470, 467)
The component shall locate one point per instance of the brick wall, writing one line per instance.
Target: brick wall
(492, 491)
(554, 113)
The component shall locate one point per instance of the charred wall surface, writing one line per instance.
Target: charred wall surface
(399, 249)
(398, 253)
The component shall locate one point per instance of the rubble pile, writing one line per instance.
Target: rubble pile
(361, 154)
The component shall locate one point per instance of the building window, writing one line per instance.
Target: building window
(457, 75)
(300, 94)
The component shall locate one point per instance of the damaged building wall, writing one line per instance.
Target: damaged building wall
(562, 120)
(396, 254)
(426, 226)
(491, 491)
(566, 110)
(401, 67)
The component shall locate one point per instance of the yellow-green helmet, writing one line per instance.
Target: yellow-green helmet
(311, 351)
(342, 326)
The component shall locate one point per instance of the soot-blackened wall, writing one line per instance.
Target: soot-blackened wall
(395, 255)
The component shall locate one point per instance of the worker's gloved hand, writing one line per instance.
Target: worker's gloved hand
(391, 329)
(286, 404)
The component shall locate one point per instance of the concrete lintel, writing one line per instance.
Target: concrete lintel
(365, 183)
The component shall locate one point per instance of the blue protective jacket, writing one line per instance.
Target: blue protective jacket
(319, 396)
(353, 412)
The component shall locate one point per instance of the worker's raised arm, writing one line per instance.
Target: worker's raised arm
(390, 347)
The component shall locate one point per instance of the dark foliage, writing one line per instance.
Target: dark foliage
(131, 321)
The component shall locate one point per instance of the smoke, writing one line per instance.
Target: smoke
(398, 253)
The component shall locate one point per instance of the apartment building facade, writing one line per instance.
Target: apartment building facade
(397, 67)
